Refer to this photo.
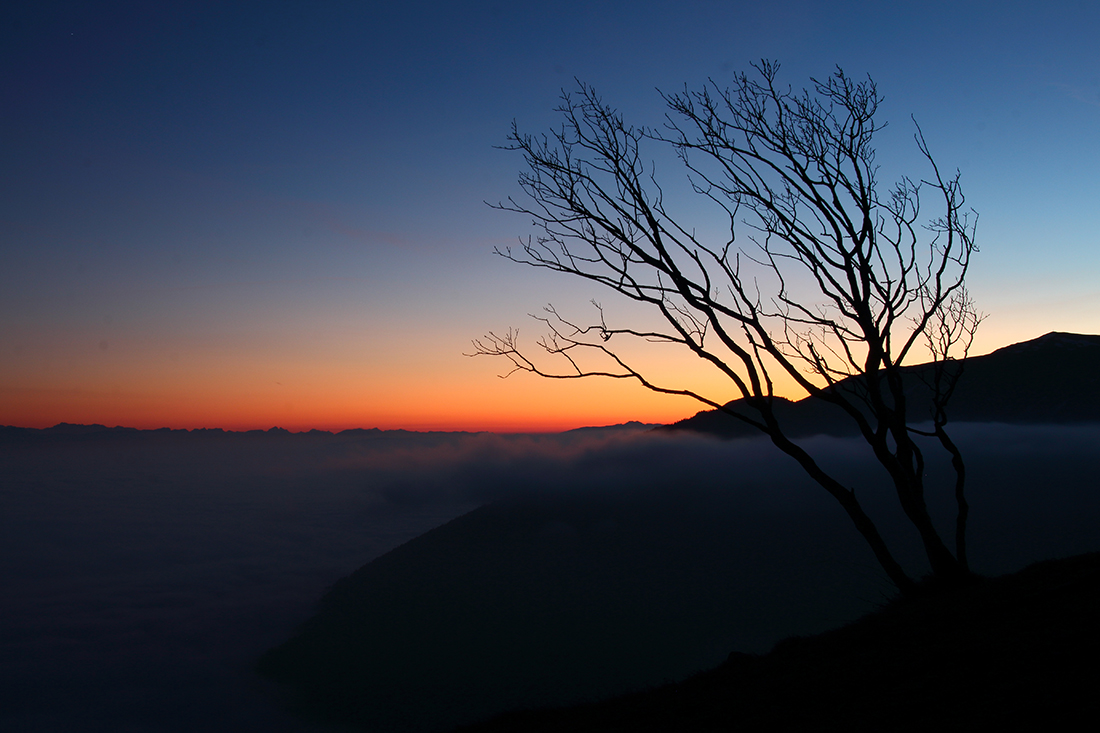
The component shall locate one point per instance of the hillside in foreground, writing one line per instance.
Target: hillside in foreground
(1016, 652)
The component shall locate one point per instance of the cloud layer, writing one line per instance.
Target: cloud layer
(156, 568)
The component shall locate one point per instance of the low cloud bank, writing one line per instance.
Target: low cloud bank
(159, 567)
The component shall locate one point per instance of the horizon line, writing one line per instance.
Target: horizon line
(100, 427)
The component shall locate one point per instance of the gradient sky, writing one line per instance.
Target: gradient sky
(251, 214)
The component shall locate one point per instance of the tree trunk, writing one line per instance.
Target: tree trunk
(945, 566)
(847, 498)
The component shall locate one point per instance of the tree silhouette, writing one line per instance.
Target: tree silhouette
(836, 287)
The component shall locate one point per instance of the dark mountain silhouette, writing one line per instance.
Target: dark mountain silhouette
(1054, 379)
(548, 601)
(535, 604)
(632, 425)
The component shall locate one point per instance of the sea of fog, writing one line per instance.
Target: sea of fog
(144, 574)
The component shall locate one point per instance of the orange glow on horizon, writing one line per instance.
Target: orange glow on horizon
(299, 390)
(505, 406)
(449, 393)
(550, 420)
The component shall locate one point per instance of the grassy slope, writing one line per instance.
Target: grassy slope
(1014, 652)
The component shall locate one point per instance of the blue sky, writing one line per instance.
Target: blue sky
(273, 213)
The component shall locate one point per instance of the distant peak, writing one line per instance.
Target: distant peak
(1054, 339)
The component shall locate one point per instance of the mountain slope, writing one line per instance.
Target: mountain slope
(1012, 653)
(1053, 379)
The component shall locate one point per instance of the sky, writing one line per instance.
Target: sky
(242, 215)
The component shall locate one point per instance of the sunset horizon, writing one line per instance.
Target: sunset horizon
(625, 403)
(216, 216)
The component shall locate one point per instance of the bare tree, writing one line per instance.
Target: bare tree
(837, 287)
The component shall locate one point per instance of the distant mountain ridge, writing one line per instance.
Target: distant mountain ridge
(79, 432)
(70, 431)
(1052, 379)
